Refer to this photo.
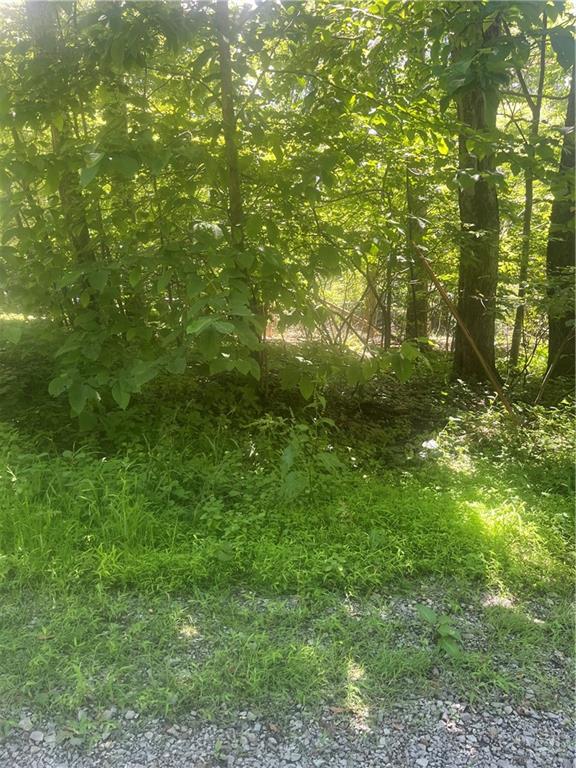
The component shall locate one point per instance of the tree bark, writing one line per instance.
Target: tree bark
(235, 199)
(229, 125)
(560, 259)
(536, 108)
(416, 205)
(388, 296)
(480, 235)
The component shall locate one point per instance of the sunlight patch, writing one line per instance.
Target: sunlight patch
(355, 703)
(189, 631)
(494, 600)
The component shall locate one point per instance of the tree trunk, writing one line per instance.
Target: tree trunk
(236, 206)
(371, 303)
(416, 205)
(560, 259)
(388, 291)
(229, 125)
(536, 108)
(480, 224)
(417, 303)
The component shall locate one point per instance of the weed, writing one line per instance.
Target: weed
(446, 636)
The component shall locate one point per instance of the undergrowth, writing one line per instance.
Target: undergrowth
(285, 506)
(209, 489)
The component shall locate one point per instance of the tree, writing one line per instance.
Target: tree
(478, 198)
(416, 208)
(417, 296)
(535, 105)
(560, 258)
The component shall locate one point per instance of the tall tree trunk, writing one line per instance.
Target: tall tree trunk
(417, 303)
(388, 300)
(536, 108)
(236, 205)
(480, 236)
(236, 211)
(43, 21)
(560, 259)
(416, 205)
(371, 303)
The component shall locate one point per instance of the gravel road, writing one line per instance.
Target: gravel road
(415, 734)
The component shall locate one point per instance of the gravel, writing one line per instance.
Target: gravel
(426, 733)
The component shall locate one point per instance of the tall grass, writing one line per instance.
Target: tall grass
(223, 509)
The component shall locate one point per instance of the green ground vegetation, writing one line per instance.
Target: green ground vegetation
(203, 548)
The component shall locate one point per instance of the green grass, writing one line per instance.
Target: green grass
(133, 558)
(211, 514)
(214, 651)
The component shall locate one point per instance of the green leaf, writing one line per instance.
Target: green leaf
(354, 373)
(124, 165)
(401, 366)
(247, 337)
(141, 372)
(450, 647)
(52, 179)
(58, 385)
(272, 231)
(199, 325)
(176, 365)
(254, 368)
(443, 148)
(58, 120)
(88, 174)
(287, 458)
(223, 327)
(329, 461)
(158, 162)
(87, 420)
(98, 279)
(409, 351)
(329, 257)
(208, 343)
(245, 259)
(427, 613)
(4, 102)
(203, 58)
(120, 395)
(306, 387)
(77, 396)
(289, 376)
(562, 41)
(447, 630)
(163, 281)
(69, 278)
(12, 332)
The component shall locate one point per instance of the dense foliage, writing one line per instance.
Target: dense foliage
(180, 180)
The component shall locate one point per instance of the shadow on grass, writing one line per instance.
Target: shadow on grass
(157, 519)
(218, 652)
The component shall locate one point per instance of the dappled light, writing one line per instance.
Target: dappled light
(286, 383)
(189, 631)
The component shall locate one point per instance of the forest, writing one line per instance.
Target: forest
(287, 363)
